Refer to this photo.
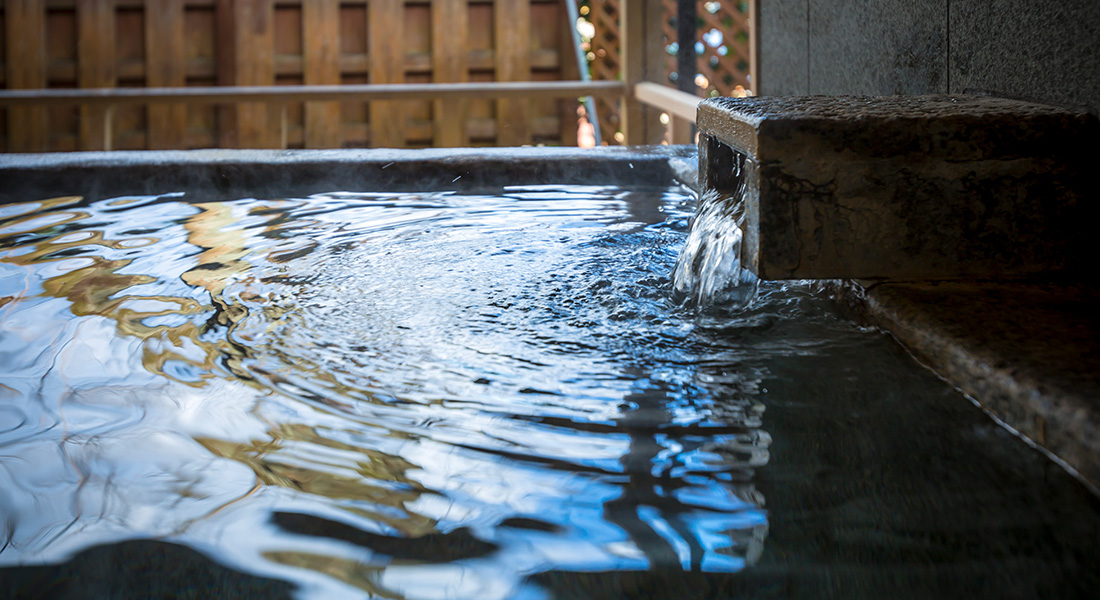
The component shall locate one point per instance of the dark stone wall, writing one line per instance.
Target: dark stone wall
(784, 47)
(1040, 51)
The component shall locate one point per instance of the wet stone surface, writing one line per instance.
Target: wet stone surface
(919, 187)
(1028, 352)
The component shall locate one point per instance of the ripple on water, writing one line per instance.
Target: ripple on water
(409, 395)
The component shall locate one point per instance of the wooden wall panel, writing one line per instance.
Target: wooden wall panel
(254, 39)
(3, 55)
(449, 64)
(96, 66)
(385, 24)
(354, 130)
(128, 123)
(25, 22)
(481, 114)
(512, 33)
(3, 81)
(175, 43)
(62, 122)
(546, 65)
(287, 121)
(417, 66)
(166, 66)
(201, 127)
(225, 35)
(321, 28)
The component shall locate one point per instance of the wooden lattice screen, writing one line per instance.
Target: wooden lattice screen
(606, 64)
(169, 43)
(722, 51)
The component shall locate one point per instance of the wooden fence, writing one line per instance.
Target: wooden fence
(724, 59)
(175, 43)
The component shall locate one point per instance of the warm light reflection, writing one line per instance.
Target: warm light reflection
(289, 353)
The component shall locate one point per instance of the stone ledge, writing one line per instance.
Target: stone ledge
(231, 174)
(1029, 353)
(907, 187)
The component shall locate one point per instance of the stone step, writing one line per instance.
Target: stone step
(1027, 352)
(906, 187)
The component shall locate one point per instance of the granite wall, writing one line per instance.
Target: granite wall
(1046, 51)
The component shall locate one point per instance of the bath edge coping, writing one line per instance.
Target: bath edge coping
(1052, 405)
(229, 174)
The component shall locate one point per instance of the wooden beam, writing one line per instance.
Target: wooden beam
(512, 28)
(680, 131)
(25, 22)
(640, 28)
(254, 22)
(321, 47)
(569, 70)
(95, 22)
(449, 30)
(165, 66)
(680, 106)
(669, 100)
(225, 55)
(307, 93)
(386, 24)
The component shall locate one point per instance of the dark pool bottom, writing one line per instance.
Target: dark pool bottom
(478, 396)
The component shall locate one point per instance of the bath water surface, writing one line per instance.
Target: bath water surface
(484, 396)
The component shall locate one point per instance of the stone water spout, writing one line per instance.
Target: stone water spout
(905, 187)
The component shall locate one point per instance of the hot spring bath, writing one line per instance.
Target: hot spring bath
(479, 393)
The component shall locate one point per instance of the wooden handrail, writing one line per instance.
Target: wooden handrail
(675, 102)
(304, 93)
(679, 105)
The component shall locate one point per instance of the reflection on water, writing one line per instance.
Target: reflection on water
(386, 387)
(420, 396)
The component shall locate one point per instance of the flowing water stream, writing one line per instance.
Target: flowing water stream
(708, 269)
(480, 396)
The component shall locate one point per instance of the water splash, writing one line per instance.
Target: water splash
(708, 271)
(445, 396)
